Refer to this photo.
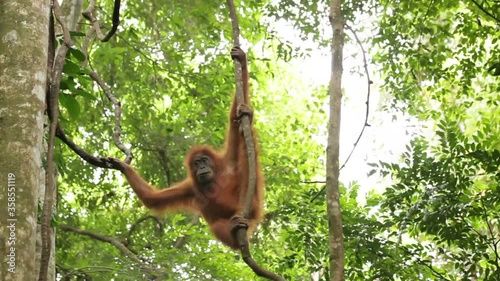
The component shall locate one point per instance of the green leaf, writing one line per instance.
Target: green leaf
(85, 94)
(77, 54)
(76, 34)
(71, 104)
(71, 68)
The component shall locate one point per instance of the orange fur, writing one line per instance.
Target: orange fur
(218, 201)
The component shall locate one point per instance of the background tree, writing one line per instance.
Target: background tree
(444, 200)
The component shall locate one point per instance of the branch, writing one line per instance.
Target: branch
(141, 220)
(494, 245)
(111, 97)
(241, 233)
(89, 158)
(313, 182)
(424, 263)
(486, 12)
(98, 161)
(163, 158)
(67, 273)
(88, 14)
(494, 242)
(113, 241)
(55, 129)
(85, 45)
(369, 82)
(118, 115)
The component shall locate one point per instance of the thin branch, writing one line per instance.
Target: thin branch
(67, 273)
(111, 97)
(485, 11)
(424, 263)
(118, 115)
(88, 14)
(164, 160)
(134, 226)
(313, 182)
(85, 45)
(98, 161)
(89, 158)
(494, 242)
(494, 245)
(241, 233)
(113, 241)
(369, 82)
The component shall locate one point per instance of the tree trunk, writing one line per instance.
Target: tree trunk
(23, 73)
(336, 240)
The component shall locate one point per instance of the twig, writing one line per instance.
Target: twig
(67, 273)
(88, 14)
(241, 233)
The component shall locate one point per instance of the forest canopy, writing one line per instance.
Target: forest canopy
(419, 196)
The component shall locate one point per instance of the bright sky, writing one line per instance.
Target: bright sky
(384, 140)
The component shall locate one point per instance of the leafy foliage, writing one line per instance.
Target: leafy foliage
(443, 205)
(170, 68)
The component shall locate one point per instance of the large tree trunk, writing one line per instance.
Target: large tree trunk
(23, 73)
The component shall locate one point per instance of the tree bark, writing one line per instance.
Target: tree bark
(23, 74)
(336, 240)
